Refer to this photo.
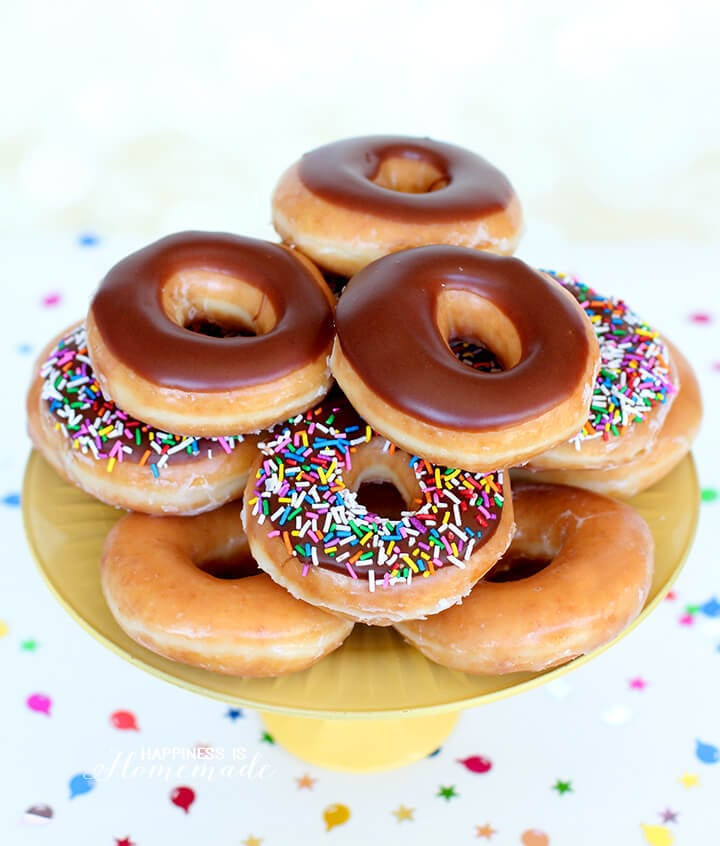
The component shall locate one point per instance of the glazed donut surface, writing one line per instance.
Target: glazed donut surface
(153, 580)
(601, 565)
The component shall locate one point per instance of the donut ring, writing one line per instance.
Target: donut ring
(116, 458)
(601, 566)
(672, 444)
(351, 202)
(184, 381)
(408, 307)
(633, 392)
(154, 584)
(309, 531)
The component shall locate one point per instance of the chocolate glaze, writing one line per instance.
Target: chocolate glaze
(342, 173)
(129, 314)
(387, 315)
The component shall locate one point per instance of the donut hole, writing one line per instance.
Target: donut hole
(383, 482)
(464, 317)
(410, 175)
(230, 564)
(217, 305)
(476, 355)
(515, 566)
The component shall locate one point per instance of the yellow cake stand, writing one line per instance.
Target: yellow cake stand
(373, 704)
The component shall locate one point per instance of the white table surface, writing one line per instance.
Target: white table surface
(623, 730)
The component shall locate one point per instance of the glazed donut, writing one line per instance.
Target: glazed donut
(116, 458)
(180, 380)
(351, 202)
(309, 530)
(523, 618)
(633, 392)
(672, 444)
(188, 589)
(406, 308)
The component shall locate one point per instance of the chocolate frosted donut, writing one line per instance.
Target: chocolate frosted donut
(350, 202)
(264, 355)
(392, 356)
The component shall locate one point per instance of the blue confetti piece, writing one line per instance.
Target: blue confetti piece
(25, 349)
(711, 608)
(435, 752)
(88, 239)
(81, 783)
(12, 500)
(234, 714)
(706, 752)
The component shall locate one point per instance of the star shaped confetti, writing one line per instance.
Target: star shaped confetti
(485, 831)
(266, 737)
(234, 714)
(689, 780)
(124, 841)
(638, 683)
(562, 787)
(305, 782)
(447, 793)
(403, 813)
(252, 841)
(668, 816)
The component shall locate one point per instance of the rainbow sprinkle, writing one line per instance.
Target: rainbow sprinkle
(300, 489)
(634, 375)
(96, 426)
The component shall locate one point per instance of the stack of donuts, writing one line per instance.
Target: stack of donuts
(385, 420)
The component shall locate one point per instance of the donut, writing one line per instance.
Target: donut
(188, 589)
(350, 202)
(577, 573)
(633, 392)
(393, 359)
(671, 445)
(309, 528)
(117, 458)
(272, 364)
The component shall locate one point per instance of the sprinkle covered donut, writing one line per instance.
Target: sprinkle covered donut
(633, 392)
(308, 529)
(348, 203)
(118, 458)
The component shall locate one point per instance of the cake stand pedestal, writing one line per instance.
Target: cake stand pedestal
(373, 704)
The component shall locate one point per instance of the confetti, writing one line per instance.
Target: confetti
(4, 628)
(12, 500)
(534, 837)
(476, 763)
(124, 841)
(689, 780)
(266, 737)
(403, 814)
(708, 494)
(52, 299)
(701, 317)
(234, 714)
(250, 840)
(29, 645)
(88, 239)
(81, 784)
(96, 427)
(39, 702)
(183, 797)
(706, 752)
(668, 816)
(562, 787)
(25, 349)
(485, 831)
(657, 835)
(447, 792)
(124, 720)
(305, 782)
(38, 814)
(335, 815)
(638, 683)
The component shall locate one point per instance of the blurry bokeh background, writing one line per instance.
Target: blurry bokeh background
(144, 117)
